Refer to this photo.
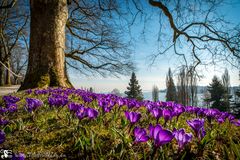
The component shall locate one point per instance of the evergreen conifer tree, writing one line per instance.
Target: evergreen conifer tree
(217, 91)
(134, 89)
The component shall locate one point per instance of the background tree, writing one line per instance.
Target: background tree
(6, 4)
(201, 27)
(101, 47)
(207, 99)
(18, 63)
(193, 86)
(171, 94)
(227, 93)
(155, 93)
(134, 89)
(187, 86)
(183, 87)
(116, 92)
(235, 108)
(217, 91)
(94, 41)
(13, 24)
(93, 21)
(90, 89)
(236, 104)
(46, 65)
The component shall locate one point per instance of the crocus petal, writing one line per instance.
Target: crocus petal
(2, 136)
(140, 135)
(164, 137)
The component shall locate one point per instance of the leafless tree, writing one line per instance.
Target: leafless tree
(170, 86)
(96, 43)
(6, 4)
(18, 62)
(226, 85)
(187, 86)
(192, 76)
(155, 93)
(183, 87)
(198, 27)
(13, 22)
(95, 39)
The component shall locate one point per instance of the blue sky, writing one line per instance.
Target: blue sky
(156, 74)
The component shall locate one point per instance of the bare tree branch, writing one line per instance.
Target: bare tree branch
(202, 35)
(10, 5)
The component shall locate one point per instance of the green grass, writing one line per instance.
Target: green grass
(51, 131)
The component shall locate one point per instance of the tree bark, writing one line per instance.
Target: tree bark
(46, 65)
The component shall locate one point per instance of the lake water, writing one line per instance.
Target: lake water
(148, 96)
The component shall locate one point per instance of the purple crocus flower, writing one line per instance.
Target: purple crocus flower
(10, 99)
(212, 113)
(107, 108)
(42, 91)
(178, 110)
(133, 117)
(236, 123)
(33, 103)
(2, 136)
(12, 107)
(224, 115)
(200, 111)
(102, 102)
(3, 121)
(140, 135)
(220, 119)
(3, 110)
(163, 104)
(191, 109)
(86, 98)
(149, 106)
(170, 104)
(74, 106)
(198, 126)
(92, 113)
(105, 105)
(202, 133)
(167, 115)
(29, 91)
(132, 103)
(112, 103)
(120, 102)
(182, 137)
(153, 131)
(57, 100)
(81, 113)
(159, 135)
(156, 112)
(19, 156)
(231, 117)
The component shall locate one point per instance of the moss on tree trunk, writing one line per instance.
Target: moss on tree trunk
(46, 65)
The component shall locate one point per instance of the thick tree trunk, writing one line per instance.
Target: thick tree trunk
(46, 65)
